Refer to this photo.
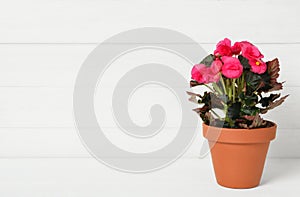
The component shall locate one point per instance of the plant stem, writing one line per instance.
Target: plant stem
(239, 85)
(233, 90)
(208, 87)
(215, 113)
(223, 84)
(243, 82)
(217, 88)
(229, 88)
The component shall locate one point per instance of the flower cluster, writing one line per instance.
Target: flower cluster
(239, 77)
(227, 63)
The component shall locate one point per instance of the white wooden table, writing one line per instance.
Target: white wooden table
(88, 177)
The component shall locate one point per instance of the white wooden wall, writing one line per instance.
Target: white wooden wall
(44, 42)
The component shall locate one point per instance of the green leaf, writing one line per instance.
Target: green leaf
(249, 100)
(249, 110)
(194, 97)
(216, 101)
(244, 61)
(273, 70)
(270, 77)
(266, 101)
(253, 81)
(204, 113)
(255, 122)
(273, 104)
(234, 110)
(265, 82)
(208, 60)
(194, 83)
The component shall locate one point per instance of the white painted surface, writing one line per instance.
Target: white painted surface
(36, 82)
(42, 46)
(87, 177)
(70, 21)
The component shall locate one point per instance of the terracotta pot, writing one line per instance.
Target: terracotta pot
(238, 155)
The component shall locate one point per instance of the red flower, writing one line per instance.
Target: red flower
(236, 48)
(223, 48)
(232, 67)
(250, 51)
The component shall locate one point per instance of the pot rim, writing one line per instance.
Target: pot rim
(234, 135)
(224, 128)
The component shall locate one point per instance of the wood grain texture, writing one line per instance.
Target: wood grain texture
(80, 21)
(43, 44)
(57, 65)
(65, 143)
(52, 107)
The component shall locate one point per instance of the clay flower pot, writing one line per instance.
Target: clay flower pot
(238, 155)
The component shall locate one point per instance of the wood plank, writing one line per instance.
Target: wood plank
(66, 143)
(205, 21)
(52, 107)
(58, 65)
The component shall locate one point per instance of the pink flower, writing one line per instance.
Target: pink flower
(254, 56)
(203, 74)
(216, 66)
(198, 72)
(232, 67)
(212, 78)
(223, 48)
(258, 66)
(236, 48)
(250, 51)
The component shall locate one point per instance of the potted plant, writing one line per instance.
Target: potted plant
(239, 82)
